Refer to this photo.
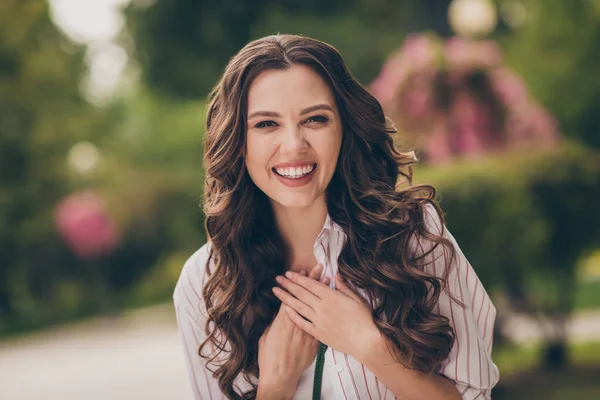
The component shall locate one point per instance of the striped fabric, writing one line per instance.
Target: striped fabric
(469, 364)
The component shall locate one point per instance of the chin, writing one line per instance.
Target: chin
(293, 201)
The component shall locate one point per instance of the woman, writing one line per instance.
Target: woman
(302, 177)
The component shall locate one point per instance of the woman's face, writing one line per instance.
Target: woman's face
(294, 135)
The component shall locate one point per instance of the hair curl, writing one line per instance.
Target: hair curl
(370, 196)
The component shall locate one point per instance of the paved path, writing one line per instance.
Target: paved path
(583, 326)
(134, 357)
(139, 356)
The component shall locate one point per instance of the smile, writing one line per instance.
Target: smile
(295, 172)
(296, 176)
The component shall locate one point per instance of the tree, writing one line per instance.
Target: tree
(41, 115)
(555, 50)
(183, 45)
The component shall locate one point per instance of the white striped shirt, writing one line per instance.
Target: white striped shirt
(469, 364)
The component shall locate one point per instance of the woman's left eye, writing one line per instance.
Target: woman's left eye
(318, 118)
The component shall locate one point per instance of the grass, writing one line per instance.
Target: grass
(522, 378)
(514, 359)
(578, 382)
(587, 296)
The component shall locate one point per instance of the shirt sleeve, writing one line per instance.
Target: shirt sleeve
(191, 319)
(469, 364)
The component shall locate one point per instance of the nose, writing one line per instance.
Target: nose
(293, 140)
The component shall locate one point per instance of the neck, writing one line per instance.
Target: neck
(299, 228)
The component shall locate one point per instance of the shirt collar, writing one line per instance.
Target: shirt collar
(332, 225)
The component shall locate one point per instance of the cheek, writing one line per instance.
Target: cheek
(329, 149)
(257, 155)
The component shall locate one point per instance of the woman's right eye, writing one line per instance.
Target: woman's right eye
(265, 124)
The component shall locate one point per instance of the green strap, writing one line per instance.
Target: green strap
(319, 372)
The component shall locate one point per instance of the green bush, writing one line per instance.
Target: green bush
(524, 220)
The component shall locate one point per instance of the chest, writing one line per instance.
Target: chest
(344, 378)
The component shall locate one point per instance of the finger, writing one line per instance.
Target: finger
(315, 273)
(280, 312)
(326, 281)
(297, 305)
(299, 292)
(316, 288)
(300, 322)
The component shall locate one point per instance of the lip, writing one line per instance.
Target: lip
(298, 182)
(293, 164)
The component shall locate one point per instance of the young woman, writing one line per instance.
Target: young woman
(318, 238)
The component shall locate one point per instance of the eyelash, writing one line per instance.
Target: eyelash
(320, 119)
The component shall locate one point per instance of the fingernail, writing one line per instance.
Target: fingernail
(318, 268)
(279, 279)
(288, 274)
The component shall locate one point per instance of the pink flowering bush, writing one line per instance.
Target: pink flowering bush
(83, 222)
(455, 98)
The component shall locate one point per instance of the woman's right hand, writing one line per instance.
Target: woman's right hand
(284, 353)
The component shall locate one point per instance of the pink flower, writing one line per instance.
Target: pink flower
(456, 99)
(418, 54)
(420, 51)
(509, 86)
(384, 86)
(466, 55)
(82, 221)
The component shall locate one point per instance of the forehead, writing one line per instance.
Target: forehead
(296, 87)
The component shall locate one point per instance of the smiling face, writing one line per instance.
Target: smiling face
(294, 135)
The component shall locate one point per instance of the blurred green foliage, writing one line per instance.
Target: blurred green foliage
(524, 220)
(556, 52)
(152, 170)
(521, 377)
(149, 172)
(41, 114)
(588, 295)
(184, 45)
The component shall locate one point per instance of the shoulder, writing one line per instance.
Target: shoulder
(192, 277)
(434, 222)
(436, 251)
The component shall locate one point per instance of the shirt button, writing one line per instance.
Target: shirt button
(339, 368)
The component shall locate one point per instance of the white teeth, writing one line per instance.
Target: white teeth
(297, 172)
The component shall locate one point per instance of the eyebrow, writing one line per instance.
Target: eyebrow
(302, 112)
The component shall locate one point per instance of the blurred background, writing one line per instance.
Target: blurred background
(101, 128)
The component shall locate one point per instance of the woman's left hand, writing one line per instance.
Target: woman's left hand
(338, 318)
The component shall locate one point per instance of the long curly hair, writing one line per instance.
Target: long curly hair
(370, 196)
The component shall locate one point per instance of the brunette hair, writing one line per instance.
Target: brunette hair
(370, 196)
